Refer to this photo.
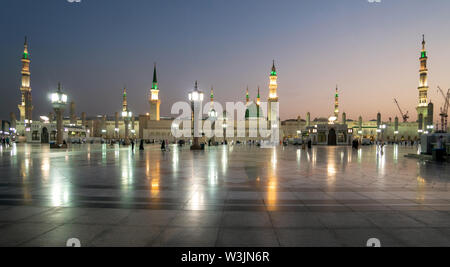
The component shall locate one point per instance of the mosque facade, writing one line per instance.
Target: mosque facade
(334, 130)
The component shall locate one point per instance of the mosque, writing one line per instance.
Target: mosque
(334, 130)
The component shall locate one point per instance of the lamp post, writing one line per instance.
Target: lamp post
(213, 116)
(430, 129)
(59, 101)
(196, 99)
(126, 115)
(381, 129)
(224, 125)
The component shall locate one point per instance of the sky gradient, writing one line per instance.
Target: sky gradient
(96, 47)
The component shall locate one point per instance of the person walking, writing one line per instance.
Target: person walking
(440, 143)
(141, 145)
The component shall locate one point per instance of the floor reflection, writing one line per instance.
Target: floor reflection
(205, 178)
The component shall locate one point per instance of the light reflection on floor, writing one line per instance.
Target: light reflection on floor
(225, 189)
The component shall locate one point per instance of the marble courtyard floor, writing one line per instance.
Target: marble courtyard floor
(225, 196)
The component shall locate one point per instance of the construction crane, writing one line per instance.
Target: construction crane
(404, 116)
(444, 109)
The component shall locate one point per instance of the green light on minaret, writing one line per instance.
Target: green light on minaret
(155, 79)
(424, 54)
(274, 70)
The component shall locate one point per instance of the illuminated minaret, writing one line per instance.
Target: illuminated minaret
(258, 99)
(154, 100)
(273, 96)
(273, 86)
(26, 106)
(124, 100)
(336, 103)
(422, 108)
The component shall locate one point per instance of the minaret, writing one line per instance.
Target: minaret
(273, 95)
(422, 108)
(155, 103)
(247, 97)
(212, 99)
(273, 86)
(258, 98)
(336, 104)
(26, 106)
(124, 100)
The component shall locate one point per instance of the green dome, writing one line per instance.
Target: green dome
(253, 111)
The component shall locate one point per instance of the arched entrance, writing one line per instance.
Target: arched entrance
(44, 136)
(332, 137)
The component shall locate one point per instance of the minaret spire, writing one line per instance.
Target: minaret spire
(154, 100)
(247, 96)
(423, 42)
(274, 69)
(155, 79)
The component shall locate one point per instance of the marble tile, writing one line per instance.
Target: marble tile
(245, 219)
(58, 236)
(224, 196)
(187, 236)
(127, 236)
(16, 234)
(237, 237)
(307, 238)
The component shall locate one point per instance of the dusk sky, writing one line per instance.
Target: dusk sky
(96, 47)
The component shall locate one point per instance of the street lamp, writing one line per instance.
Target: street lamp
(212, 114)
(196, 99)
(213, 117)
(59, 101)
(127, 115)
(224, 126)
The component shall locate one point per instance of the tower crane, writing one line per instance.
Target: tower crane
(444, 109)
(405, 116)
